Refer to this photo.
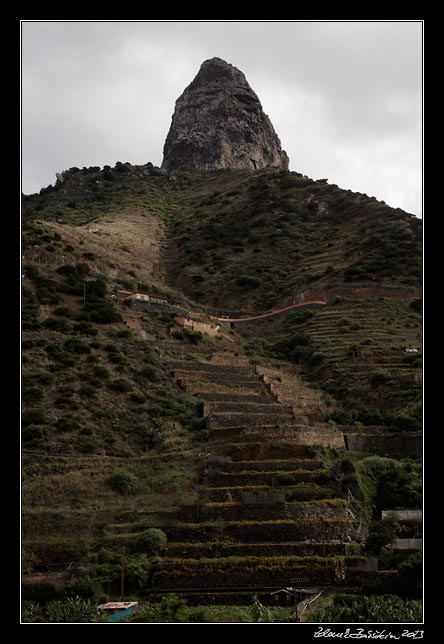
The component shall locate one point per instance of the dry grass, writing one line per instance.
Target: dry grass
(81, 482)
(129, 240)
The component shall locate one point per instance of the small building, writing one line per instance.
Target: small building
(123, 294)
(283, 596)
(406, 544)
(201, 327)
(403, 516)
(298, 598)
(117, 610)
(136, 296)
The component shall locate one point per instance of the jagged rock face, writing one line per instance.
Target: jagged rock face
(219, 123)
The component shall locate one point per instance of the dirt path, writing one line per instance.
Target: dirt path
(275, 312)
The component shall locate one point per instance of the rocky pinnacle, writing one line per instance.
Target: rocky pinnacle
(218, 122)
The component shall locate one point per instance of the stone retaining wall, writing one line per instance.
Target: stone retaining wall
(290, 389)
(278, 531)
(222, 479)
(221, 388)
(260, 512)
(237, 398)
(271, 466)
(269, 451)
(156, 306)
(361, 564)
(229, 360)
(206, 367)
(362, 429)
(217, 549)
(200, 376)
(62, 549)
(359, 578)
(297, 434)
(307, 492)
(267, 497)
(172, 579)
(206, 598)
(354, 294)
(399, 445)
(245, 408)
(216, 421)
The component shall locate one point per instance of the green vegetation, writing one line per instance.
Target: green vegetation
(354, 351)
(124, 482)
(394, 250)
(284, 479)
(90, 383)
(121, 384)
(410, 576)
(227, 225)
(398, 484)
(112, 450)
(189, 336)
(378, 483)
(71, 610)
(151, 542)
(80, 199)
(239, 571)
(258, 612)
(174, 609)
(374, 609)
(241, 235)
(171, 609)
(381, 533)
(45, 288)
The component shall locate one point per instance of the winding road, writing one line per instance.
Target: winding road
(272, 313)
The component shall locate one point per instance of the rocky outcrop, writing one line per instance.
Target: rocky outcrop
(218, 123)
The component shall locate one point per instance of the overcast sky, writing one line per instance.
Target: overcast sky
(345, 98)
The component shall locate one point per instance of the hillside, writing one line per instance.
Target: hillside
(253, 240)
(122, 407)
(237, 239)
(241, 242)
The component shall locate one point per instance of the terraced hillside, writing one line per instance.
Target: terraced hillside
(250, 241)
(238, 239)
(367, 355)
(231, 444)
(265, 515)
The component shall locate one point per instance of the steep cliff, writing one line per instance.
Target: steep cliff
(219, 123)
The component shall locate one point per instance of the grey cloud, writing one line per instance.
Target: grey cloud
(345, 98)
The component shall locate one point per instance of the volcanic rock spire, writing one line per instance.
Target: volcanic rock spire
(218, 122)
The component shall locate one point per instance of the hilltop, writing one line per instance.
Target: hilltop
(218, 122)
(281, 233)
